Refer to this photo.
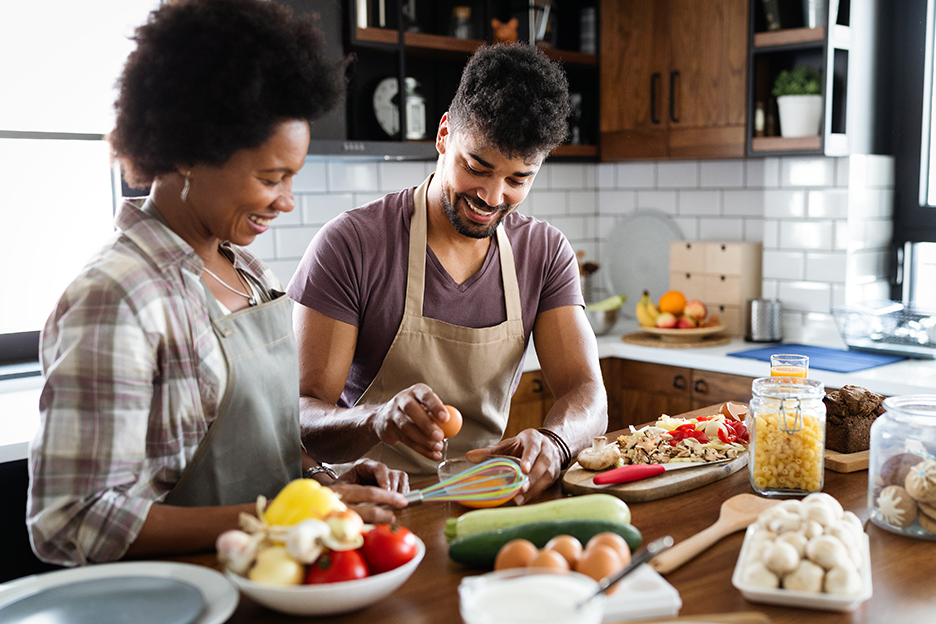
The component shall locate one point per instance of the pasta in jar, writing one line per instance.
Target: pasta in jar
(787, 429)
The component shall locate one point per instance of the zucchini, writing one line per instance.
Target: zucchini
(587, 507)
(480, 549)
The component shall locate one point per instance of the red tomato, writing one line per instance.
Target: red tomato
(388, 546)
(335, 566)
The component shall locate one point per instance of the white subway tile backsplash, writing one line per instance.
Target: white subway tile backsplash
(574, 228)
(583, 202)
(838, 295)
(805, 296)
(664, 201)
(771, 234)
(807, 172)
(770, 288)
(721, 174)
(867, 266)
(825, 267)
(806, 235)
(746, 203)
(399, 175)
(762, 173)
(678, 174)
(689, 227)
(784, 204)
(320, 209)
(548, 203)
(264, 246)
(605, 175)
(312, 178)
(566, 176)
(721, 229)
(841, 236)
(878, 233)
(365, 198)
(284, 269)
(636, 175)
(841, 172)
(292, 242)
(345, 176)
(827, 204)
(872, 171)
(699, 203)
(616, 202)
(754, 230)
(784, 265)
(293, 217)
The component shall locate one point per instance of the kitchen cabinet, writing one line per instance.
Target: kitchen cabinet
(642, 391)
(530, 404)
(673, 78)
(847, 51)
(391, 41)
(721, 275)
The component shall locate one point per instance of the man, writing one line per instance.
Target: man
(429, 296)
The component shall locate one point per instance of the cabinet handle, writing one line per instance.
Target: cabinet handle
(537, 385)
(653, 98)
(680, 382)
(672, 96)
(700, 386)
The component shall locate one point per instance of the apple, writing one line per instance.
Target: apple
(686, 322)
(695, 309)
(667, 320)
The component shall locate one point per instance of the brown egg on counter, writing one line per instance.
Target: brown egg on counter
(515, 554)
(599, 561)
(615, 542)
(549, 559)
(567, 546)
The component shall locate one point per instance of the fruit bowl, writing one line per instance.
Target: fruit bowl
(683, 335)
(329, 598)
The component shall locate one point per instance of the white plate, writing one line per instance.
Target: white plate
(220, 596)
(803, 599)
(635, 255)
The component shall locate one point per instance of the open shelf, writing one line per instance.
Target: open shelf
(789, 36)
(781, 144)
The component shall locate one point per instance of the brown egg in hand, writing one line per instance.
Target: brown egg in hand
(454, 424)
(515, 554)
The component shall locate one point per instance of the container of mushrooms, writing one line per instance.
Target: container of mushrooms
(807, 553)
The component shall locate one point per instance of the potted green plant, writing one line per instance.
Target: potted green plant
(799, 101)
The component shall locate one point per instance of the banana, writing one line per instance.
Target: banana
(646, 310)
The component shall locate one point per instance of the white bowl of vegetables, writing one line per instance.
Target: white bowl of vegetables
(308, 554)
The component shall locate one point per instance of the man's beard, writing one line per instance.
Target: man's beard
(466, 227)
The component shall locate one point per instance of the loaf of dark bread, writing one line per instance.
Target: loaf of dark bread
(850, 413)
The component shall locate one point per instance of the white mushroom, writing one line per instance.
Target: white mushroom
(304, 540)
(600, 455)
(796, 539)
(827, 551)
(826, 500)
(806, 577)
(781, 558)
(791, 505)
(844, 533)
(770, 514)
(785, 523)
(820, 512)
(843, 580)
(854, 521)
(756, 573)
(237, 550)
(811, 529)
(755, 550)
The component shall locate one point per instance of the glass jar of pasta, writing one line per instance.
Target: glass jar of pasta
(902, 470)
(787, 428)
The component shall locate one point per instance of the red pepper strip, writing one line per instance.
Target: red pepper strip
(727, 437)
(681, 434)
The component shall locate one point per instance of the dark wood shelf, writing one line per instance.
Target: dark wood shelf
(575, 151)
(781, 144)
(788, 37)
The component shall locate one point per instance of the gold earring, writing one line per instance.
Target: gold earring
(186, 186)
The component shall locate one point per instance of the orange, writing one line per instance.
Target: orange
(672, 302)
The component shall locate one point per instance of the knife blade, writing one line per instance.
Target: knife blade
(636, 472)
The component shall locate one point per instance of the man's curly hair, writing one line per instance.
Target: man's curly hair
(515, 98)
(210, 77)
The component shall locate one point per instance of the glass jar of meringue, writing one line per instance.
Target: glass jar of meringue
(902, 467)
(786, 423)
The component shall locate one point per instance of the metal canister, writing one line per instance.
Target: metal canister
(786, 422)
(763, 320)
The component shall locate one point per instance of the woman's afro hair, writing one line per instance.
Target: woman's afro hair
(210, 77)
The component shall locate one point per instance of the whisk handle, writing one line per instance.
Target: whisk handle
(414, 497)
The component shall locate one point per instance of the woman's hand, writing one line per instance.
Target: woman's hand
(369, 472)
(374, 483)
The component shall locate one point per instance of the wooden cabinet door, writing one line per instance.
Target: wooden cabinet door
(633, 71)
(649, 390)
(529, 404)
(707, 108)
(709, 388)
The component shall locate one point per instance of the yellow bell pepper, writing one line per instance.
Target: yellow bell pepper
(302, 499)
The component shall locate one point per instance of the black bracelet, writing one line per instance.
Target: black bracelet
(565, 454)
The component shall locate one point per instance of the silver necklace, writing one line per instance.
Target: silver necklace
(251, 300)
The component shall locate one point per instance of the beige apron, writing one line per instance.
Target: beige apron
(472, 369)
(252, 447)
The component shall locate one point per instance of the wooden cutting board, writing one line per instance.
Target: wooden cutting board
(577, 480)
(846, 462)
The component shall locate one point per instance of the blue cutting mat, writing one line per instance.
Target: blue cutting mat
(835, 360)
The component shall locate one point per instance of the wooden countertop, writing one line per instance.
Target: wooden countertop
(903, 569)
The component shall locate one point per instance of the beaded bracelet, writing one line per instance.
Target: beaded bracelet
(565, 453)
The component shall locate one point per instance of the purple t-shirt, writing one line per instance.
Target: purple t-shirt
(355, 270)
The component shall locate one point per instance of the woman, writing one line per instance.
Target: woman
(171, 394)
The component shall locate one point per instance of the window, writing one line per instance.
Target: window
(61, 60)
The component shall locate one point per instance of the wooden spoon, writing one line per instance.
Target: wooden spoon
(736, 514)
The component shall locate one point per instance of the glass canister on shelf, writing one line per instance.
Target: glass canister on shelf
(786, 422)
(902, 467)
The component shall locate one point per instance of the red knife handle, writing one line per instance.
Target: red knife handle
(626, 474)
